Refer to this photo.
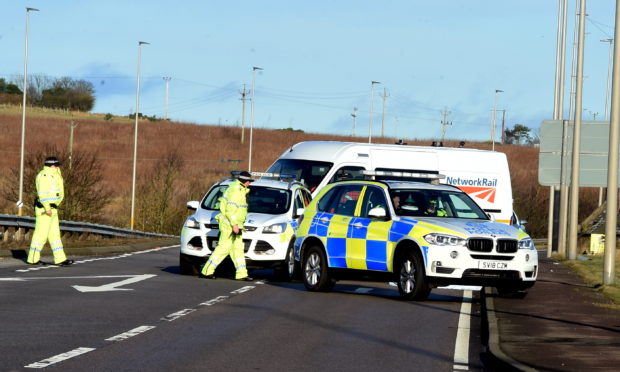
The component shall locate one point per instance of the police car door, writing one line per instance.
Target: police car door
(368, 244)
(342, 207)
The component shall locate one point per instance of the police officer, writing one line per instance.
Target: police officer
(50, 192)
(234, 209)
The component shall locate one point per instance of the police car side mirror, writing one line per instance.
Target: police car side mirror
(298, 212)
(193, 205)
(377, 212)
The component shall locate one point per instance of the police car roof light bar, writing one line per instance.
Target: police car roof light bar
(274, 175)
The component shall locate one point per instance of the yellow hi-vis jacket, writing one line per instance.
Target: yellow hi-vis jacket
(234, 204)
(50, 188)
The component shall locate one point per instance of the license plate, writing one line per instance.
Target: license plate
(493, 265)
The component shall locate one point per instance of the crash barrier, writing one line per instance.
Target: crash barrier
(21, 227)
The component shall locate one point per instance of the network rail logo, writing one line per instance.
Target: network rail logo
(481, 188)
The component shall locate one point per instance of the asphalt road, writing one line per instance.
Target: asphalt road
(135, 312)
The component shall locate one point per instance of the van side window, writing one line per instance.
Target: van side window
(348, 173)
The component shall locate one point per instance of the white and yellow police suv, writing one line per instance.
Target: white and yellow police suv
(274, 206)
(420, 235)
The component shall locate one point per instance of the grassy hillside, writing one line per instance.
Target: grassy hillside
(207, 151)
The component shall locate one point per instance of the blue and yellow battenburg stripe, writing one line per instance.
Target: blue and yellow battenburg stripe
(359, 243)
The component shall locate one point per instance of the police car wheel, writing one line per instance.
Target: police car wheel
(186, 266)
(288, 270)
(411, 281)
(315, 275)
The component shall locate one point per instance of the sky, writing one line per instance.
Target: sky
(440, 60)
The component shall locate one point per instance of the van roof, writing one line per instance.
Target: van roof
(326, 150)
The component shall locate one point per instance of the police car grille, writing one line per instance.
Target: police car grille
(262, 246)
(249, 228)
(491, 257)
(480, 245)
(506, 246)
(246, 245)
(491, 274)
(212, 226)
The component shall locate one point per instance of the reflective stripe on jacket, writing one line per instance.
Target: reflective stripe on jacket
(50, 188)
(234, 204)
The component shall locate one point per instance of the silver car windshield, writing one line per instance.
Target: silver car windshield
(308, 172)
(435, 203)
(266, 200)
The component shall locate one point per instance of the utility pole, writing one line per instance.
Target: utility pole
(167, 80)
(72, 126)
(445, 123)
(503, 125)
(354, 115)
(385, 96)
(243, 99)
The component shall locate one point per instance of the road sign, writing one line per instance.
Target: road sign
(554, 134)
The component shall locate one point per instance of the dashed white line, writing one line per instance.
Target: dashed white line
(213, 301)
(60, 357)
(243, 289)
(461, 347)
(131, 333)
(178, 314)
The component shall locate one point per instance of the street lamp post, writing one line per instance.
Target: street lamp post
(135, 137)
(497, 91)
(252, 116)
(372, 94)
(167, 80)
(20, 202)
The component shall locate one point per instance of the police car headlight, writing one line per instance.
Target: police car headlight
(277, 228)
(192, 223)
(526, 243)
(444, 240)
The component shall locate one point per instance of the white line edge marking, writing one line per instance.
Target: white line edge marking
(131, 333)
(461, 347)
(60, 357)
(213, 301)
(52, 266)
(243, 289)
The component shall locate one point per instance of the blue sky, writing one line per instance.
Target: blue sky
(319, 58)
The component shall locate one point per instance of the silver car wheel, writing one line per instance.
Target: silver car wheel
(407, 276)
(313, 269)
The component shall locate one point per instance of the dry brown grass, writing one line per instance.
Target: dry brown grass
(205, 150)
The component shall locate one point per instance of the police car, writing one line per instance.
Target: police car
(418, 234)
(274, 205)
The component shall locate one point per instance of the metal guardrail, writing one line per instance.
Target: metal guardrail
(9, 224)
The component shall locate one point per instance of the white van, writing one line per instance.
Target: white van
(482, 174)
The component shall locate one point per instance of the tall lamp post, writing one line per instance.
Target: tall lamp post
(20, 202)
(252, 116)
(497, 91)
(167, 80)
(135, 137)
(372, 95)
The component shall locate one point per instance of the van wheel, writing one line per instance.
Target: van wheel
(314, 271)
(412, 283)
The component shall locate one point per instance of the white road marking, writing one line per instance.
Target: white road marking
(178, 314)
(243, 289)
(60, 357)
(131, 333)
(213, 301)
(113, 286)
(463, 287)
(50, 266)
(461, 347)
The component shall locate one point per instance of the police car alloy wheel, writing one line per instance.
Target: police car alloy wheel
(411, 281)
(315, 275)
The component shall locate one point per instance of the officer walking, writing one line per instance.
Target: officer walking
(234, 209)
(50, 192)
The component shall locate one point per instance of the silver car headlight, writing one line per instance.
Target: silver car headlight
(445, 240)
(191, 223)
(526, 243)
(277, 228)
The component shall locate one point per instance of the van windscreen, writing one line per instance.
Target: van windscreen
(308, 172)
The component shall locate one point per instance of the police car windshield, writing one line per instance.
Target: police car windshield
(266, 200)
(435, 203)
(308, 172)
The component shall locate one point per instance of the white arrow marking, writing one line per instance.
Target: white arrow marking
(113, 286)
